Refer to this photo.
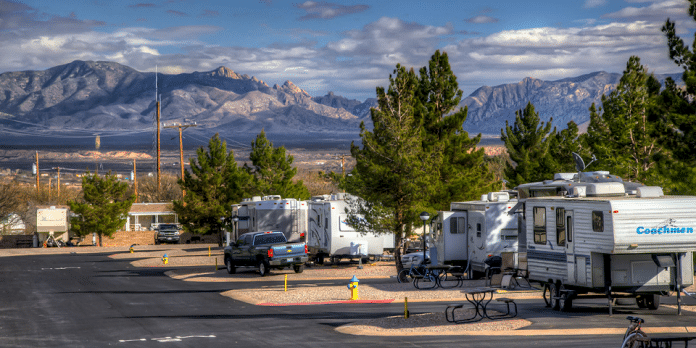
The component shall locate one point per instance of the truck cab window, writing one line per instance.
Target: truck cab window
(539, 216)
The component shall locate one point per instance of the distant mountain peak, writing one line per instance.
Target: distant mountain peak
(225, 72)
(289, 87)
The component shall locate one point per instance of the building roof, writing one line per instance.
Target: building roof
(151, 208)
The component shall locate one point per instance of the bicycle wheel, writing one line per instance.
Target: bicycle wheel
(632, 341)
(404, 276)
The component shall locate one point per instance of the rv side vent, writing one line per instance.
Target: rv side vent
(498, 196)
(255, 198)
(649, 191)
(564, 176)
(606, 189)
(579, 191)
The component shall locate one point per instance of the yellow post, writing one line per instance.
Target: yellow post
(405, 307)
(216, 268)
(286, 282)
(209, 251)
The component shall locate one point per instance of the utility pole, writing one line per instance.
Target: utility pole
(49, 189)
(135, 182)
(159, 170)
(37, 173)
(181, 148)
(58, 187)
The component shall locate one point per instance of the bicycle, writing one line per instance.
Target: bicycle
(408, 274)
(634, 336)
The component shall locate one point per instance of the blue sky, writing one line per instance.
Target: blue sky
(348, 47)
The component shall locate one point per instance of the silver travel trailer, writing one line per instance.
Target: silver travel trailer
(595, 234)
(473, 231)
(273, 213)
(329, 236)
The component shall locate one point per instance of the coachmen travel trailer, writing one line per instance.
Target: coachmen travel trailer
(329, 236)
(592, 233)
(273, 213)
(473, 231)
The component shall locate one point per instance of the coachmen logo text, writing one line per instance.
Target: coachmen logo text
(664, 230)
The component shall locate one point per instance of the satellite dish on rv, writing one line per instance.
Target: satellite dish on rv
(579, 163)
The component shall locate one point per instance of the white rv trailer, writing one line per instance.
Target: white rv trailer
(473, 231)
(273, 213)
(601, 235)
(329, 236)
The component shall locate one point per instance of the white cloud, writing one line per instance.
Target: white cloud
(594, 3)
(481, 19)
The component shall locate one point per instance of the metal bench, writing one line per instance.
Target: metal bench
(507, 314)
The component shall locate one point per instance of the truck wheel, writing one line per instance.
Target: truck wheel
(231, 268)
(263, 268)
(299, 268)
(652, 301)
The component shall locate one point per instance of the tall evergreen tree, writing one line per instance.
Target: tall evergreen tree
(623, 136)
(273, 171)
(527, 143)
(463, 175)
(105, 207)
(562, 145)
(392, 171)
(680, 110)
(212, 185)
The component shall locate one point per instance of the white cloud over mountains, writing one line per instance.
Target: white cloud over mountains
(360, 59)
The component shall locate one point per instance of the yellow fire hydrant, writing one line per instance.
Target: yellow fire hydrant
(165, 259)
(131, 248)
(353, 286)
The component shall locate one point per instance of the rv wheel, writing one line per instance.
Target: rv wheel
(566, 299)
(320, 259)
(553, 292)
(652, 301)
(641, 301)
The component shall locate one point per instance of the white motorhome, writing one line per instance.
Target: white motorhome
(473, 231)
(596, 234)
(329, 236)
(273, 213)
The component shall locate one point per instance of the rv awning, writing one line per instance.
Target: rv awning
(513, 210)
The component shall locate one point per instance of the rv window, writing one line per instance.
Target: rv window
(539, 225)
(560, 227)
(598, 221)
(569, 223)
(457, 225)
(478, 230)
(461, 225)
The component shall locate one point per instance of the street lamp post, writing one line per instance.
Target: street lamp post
(235, 219)
(424, 216)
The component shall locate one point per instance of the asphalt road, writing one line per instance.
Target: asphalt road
(91, 300)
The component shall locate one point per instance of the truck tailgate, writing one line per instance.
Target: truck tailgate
(288, 250)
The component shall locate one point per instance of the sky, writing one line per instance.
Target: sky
(346, 47)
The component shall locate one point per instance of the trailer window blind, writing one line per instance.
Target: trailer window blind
(560, 227)
(539, 225)
(598, 221)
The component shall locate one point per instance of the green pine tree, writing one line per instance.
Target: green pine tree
(561, 147)
(392, 170)
(679, 108)
(273, 171)
(624, 136)
(105, 207)
(527, 143)
(463, 174)
(212, 185)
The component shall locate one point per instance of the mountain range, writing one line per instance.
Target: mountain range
(106, 96)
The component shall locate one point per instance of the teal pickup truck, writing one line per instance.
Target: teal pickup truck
(265, 250)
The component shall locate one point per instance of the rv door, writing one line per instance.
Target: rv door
(454, 236)
(576, 263)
